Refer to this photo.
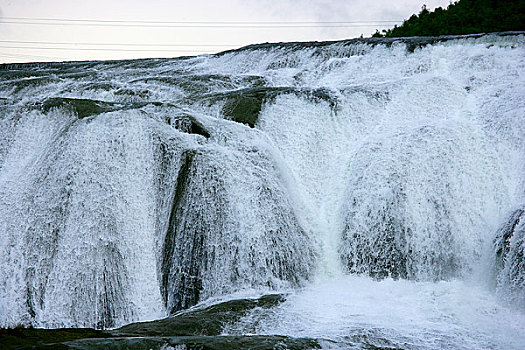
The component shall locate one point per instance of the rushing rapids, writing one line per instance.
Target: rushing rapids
(379, 181)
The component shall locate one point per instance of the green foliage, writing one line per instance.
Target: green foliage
(463, 17)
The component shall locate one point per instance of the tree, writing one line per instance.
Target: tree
(463, 17)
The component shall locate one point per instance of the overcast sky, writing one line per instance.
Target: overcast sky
(37, 40)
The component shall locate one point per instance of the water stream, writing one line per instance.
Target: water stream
(379, 183)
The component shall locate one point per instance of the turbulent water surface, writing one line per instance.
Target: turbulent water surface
(379, 183)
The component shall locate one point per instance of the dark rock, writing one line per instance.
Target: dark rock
(205, 83)
(84, 108)
(205, 251)
(188, 124)
(228, 342)
(81, 107)
(379, 240)
(244, 105)
(208, 321)
(196, 329)
(381, 250)
(36, 338)
(509, 261)
(181, 289)
(502, 242)
(20, 84)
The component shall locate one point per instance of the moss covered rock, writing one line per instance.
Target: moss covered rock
(207, 321)
(81, 107)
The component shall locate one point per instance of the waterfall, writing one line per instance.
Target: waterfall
(130, 190)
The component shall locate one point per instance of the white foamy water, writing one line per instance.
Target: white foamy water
(371, 180)
(355, 311)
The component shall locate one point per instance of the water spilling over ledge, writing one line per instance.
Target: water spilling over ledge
(352, 175)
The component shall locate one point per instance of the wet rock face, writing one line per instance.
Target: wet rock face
(130, 190)
(382, 252)
(402, 222)
(189, 125)
(229, 342)
(382, 245)
(81, 107)
(208, 321)
(509, 247)
(182, 254)
(505, 234)
(34, 338)
(206, 251)
(244, 105)
(193, 329)
(147, 180)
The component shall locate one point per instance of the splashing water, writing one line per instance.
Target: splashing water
(373, 180)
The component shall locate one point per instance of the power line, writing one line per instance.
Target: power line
(197, 26)
(116, 44)
(199, 22)
(157, 24)
(16, 55)
(96, 49)
(193, 24)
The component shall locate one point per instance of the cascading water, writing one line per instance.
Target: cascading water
(380, 182)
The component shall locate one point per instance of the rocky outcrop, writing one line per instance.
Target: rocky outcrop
(509, 264)
(212, 246)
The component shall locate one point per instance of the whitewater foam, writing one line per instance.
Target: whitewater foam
(274, 167)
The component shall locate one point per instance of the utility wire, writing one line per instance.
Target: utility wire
(115, 44)
(97, 49)
(159, 24)
(16, 55)
(255, 26)
(199, 22)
